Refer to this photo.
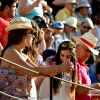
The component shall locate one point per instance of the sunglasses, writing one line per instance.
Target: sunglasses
(70, 45)
(85, 27)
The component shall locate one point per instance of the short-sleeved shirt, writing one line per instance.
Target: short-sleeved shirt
(84, 77)
(63, 14)
(4, 22)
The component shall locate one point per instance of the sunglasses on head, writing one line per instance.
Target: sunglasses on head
(85, 27)
(70, 45)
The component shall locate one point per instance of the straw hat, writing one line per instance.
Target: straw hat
(71, 21)
(82, 4)
(20, 23)
(72, 1)
(89, 40)
(48, 29)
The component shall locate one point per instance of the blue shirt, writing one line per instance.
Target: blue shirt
(94, 78)
(36, 11)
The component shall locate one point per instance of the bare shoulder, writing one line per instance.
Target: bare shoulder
(12, 54)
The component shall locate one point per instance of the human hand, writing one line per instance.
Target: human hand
(42, 34)
(36, 2)
(67, 67)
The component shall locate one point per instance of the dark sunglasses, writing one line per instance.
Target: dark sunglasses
(32, 33)
(85, 27)
(70, 45)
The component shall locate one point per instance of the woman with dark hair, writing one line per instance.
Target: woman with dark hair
(62, 90)
(18, 81)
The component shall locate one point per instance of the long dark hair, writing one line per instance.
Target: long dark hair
(56, 82)
(14, 37)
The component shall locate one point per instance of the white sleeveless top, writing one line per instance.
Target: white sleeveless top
(64, 91)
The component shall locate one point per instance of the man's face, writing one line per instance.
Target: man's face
(70, 6)
(84, 28)
(84, 11)
(69, 29)
(82, 52)
(12, 10)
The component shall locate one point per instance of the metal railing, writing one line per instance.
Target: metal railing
(16, 98)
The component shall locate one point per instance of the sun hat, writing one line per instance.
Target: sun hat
(20, 23)
(89, 40)
(82, 4)
(58, 24)
(48, 29)
(88, 21)
(72, 1)
(71, 21)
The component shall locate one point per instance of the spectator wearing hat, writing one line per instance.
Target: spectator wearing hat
(81, 10)
(85, 26)
(67, 11)
(7, 11)
(48, 55)
(70, 26)
(58, 27)
(84, 48)
(24, 29)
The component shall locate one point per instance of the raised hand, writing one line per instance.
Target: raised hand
(67, 67)
(36, 2)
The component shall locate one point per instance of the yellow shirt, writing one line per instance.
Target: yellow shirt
(63, 14)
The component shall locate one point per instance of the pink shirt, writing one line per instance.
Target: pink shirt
(84, 77)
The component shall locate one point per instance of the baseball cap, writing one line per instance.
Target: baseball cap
(58, 24)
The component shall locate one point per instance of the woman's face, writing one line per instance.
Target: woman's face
(65, 55)
(29, 37)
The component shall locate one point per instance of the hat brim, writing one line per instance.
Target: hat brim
(9, 28)
(48, 29)
(73, 2)
(71, 26)
(83, 5)
(97, 61)
(76, 39)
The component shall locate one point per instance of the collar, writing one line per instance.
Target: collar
(4, 17)
(80, 17)
(68, 12)
(80, 62)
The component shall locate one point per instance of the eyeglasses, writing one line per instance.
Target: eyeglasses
(85, 27)
(87, 50)
(70, 45)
